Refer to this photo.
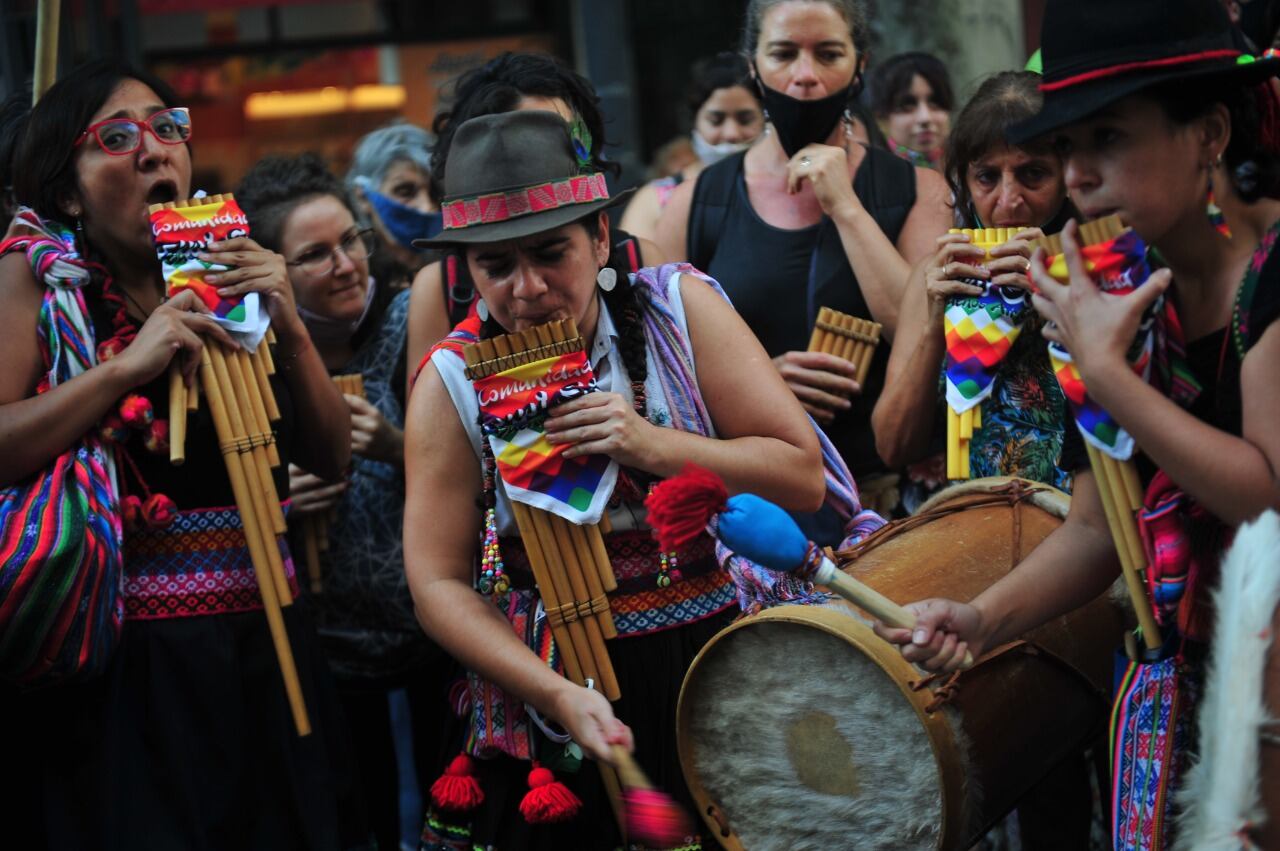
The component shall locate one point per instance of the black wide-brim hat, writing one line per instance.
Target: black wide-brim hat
(1096, 52)
(515, 174)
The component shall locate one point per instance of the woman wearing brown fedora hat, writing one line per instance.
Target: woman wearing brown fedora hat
(1154, 110)
(681, 379)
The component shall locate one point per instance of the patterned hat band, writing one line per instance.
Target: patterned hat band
(503, 206)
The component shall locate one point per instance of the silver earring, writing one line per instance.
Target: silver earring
(482, 310)
(607, 279)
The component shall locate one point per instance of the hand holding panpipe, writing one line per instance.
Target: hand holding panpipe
(241, 422)
(1117, 481)
(315, 527)
(961, 424)
(847, 337)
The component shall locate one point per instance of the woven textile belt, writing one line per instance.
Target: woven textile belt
(198, 565)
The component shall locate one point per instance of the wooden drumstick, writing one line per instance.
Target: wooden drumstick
(869, 600)
(177, 414)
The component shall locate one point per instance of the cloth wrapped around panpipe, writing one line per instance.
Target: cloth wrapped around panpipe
(847, 337)
(1116, 258)
(980, 330)
(238, 392)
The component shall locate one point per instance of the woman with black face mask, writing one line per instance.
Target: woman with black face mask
(808, 218)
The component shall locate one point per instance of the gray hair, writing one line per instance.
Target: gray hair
(853, 12)
(379, 150)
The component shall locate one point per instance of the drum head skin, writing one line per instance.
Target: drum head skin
(807, 743)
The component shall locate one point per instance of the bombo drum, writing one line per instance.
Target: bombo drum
(800, 729)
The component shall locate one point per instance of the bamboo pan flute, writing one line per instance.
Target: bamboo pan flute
(237, 389)
(569, 561)
(1117, 481)
(570, 564)
(315, 527)
(960, 426)
(847, 337)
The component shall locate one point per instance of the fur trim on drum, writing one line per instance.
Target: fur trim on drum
(1221, 795)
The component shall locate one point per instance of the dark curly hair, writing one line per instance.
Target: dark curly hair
(1252, 156)
(499, 85)
(854, 13)
(276, 185)
(43, 176)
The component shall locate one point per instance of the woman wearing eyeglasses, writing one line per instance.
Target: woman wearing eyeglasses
(186, 739)
(364, 612)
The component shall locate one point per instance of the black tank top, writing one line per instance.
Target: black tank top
(778, 279)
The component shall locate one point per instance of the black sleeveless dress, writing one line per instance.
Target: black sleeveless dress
(778, 279)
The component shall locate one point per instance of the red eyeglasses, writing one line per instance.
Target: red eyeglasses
(121, 136)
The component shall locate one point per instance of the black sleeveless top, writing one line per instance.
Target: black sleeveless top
(778, 279)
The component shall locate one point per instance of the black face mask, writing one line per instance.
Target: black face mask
(804, 122)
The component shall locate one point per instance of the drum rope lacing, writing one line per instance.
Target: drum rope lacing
(1013, 494)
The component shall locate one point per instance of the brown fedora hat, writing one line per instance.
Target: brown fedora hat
(514, 174)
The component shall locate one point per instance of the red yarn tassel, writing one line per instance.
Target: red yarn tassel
(680, 508)
(548, 800)
(458, 790)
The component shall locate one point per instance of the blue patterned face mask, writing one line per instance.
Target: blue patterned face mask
(402, 223)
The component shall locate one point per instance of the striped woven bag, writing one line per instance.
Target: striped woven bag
(61, 566)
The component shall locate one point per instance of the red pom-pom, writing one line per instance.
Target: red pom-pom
(131, 512)
(136, 411)
(681, 507)
(654, 819)
(112, 429)
(157, 439)
(457, 790)
(108, 349)
(548, 800)
(158, 511)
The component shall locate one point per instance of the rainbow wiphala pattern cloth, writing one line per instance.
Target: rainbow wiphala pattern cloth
(979, 331)
(1118, 266)
(513, 409)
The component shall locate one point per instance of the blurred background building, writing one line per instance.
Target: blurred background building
(263, 76)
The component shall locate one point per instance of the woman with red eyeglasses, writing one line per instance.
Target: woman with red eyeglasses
(186, 740)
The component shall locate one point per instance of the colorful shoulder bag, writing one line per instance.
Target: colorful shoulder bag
(61, 564)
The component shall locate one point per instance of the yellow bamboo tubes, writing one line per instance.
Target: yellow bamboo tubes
(847, 337)
(232, 448)
(259, 361)
(575, 570)
(257, 405)
(263, 521)
(177, 414)
(244, 395)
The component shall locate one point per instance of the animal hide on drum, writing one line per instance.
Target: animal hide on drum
(1221, 794)
(859, 750)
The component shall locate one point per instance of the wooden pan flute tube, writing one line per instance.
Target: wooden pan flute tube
(245, 389)
(868, 352)
(311, 548)
(595, 540)
(563, 592)
(260, 377)
(845, 342)
(591, 572)
(263, 520)
(818, 339)
(1132, 578)
(573, 571)
(177, 414)
(253, 391)
(568, 643)
(953, 444)
(257, 555)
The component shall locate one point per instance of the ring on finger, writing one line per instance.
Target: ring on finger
(804, 162)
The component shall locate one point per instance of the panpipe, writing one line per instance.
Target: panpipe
(238, 392)
(1117, 481)
(847, 337)
(315, 527)
(961, 424)
(569, 562)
